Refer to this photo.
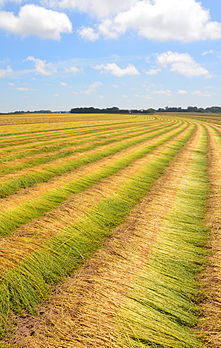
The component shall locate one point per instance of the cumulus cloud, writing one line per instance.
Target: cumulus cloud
(41, 66)
(153, 71)
(115, 70)
(36, 20)
(88, 34)
(5, 72)
(160, 20)
(98, 8)
(182, 63)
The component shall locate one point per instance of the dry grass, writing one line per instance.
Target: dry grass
(210, 325)
(82, 311)
(31, 236)
(37, 189)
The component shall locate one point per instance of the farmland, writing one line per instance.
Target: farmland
(110, 230)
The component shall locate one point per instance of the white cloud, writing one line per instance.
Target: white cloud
(88, 34)
(41, 67)
(153, 71)
(5, 72)
(207, 52)
(163, 92)
(98, 8)
(93, 87)
(36, 20)
(199, 93)
(64, 84)
(22, 89)
(182, 63)
(182, 92)
(72, 69)
(164, 20)
(115, 70)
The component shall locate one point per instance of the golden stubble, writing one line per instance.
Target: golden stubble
(28, 238)
(82, 311)
(210, 323)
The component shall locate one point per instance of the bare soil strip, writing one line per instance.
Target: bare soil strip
(82, 311)
(23, 241)
(210, 326)
(37, 189)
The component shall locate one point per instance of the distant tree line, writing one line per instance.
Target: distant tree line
(116, 110)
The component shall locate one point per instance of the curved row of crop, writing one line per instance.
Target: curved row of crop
(72, 137)
(162, 306)
(57, 144)
(63, 154)
(26, 285)
(14, 185)
(41, 138)
(12, 218)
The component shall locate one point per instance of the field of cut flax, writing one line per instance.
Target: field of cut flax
(110, 231)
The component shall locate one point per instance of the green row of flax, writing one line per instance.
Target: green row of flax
(58, 135)
(163, 304)
(57, 129)
(28, 284)
(30, 149)
(62, 154)
(11, 186)
(12, 218)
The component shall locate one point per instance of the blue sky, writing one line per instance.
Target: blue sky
(59, 54)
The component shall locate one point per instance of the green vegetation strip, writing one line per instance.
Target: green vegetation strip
(11, 186)
(13, 218)
(43, 160)
(57, 144)
(41, 138)
(28, 284)
(162, 306)
(74, 127)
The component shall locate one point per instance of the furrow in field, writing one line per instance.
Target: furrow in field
(78, 141)
(51, 145)
(162, 308)
(33, 139)
(37, 189)
(48, 144)
(21, 214)
(82, 311)
(25, 286)
(31, 236)
(46, 172)
(210, 325)
(38, 160)
(69, 127)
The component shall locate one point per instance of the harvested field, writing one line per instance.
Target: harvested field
(109, 231)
